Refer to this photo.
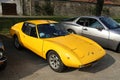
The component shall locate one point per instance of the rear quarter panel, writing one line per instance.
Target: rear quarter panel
(16, 30)
(73, 26)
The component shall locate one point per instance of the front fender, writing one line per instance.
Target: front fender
(67, 56)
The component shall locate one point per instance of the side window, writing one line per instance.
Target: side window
(93, 23)
(81, 21)
(24, 27)
(90, 22)
(29, 29)
(33, 32)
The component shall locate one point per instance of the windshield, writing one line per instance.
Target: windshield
(109, 23)
(50, 30)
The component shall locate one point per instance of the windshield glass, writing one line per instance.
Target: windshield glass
(109, 23)
(50, 30)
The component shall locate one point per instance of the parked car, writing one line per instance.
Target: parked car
(3, 59)
(104, 30)
(60, 49)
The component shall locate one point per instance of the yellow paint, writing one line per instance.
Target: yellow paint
(74, 50)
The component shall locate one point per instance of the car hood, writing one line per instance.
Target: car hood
(79, 45)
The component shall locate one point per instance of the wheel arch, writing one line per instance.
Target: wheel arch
(49, 52)
(71, 30)
(14, 35)
(18, 36)
(117, 48)
(61, 67)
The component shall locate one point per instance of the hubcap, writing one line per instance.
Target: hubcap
(54, 61)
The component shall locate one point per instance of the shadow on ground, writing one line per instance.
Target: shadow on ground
(104, 63)
(20, 62)
(23, 62)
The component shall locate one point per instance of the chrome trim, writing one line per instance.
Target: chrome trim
(3, 60)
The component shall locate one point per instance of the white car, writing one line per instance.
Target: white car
(104, 30)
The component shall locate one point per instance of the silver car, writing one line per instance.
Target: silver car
(104, 30)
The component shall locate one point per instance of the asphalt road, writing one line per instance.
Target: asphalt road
(25, 65)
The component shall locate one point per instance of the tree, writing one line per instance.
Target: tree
(49, 9)
(99, 7)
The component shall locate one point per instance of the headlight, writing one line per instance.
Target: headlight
(1, 54)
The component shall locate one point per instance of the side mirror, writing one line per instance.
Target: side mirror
(100, 28)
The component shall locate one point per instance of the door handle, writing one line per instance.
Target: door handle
(85, 29)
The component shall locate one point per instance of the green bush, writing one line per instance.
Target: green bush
(7, 22)
(118, 20)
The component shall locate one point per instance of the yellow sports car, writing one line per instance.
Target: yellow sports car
(59, 48)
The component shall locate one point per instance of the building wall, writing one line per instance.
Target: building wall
(73, 8)
(18, 5)
(59, 8)
(27, 7)
(69, 8)
(113, 11)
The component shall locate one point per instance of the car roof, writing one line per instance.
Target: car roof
(41, 21)
(77, 17)
(96, 17)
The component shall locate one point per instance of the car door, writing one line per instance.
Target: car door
(94, 30)
(30, 38)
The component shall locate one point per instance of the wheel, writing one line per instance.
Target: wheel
(55, 62)
(16, 43)
(71, 31)
(118, 48)
(3, 66)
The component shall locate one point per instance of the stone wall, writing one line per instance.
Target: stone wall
(112, 10)
(73, 8)
(68, 8)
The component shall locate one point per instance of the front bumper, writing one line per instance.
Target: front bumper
(92, 64)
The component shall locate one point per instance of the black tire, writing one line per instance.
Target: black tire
(55, 62)
(118, 49)
(71, 31)
(16, 43)
(3, 66)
